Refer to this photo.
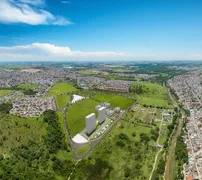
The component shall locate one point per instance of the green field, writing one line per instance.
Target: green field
(81, 151)
(164, 133)
(140, 114)
(61, 88)
(115, 101)
(4, 92)
(76, 115)
(152, 94)
(28, 86)
(63, 100)
(16, 131)
(87, 72)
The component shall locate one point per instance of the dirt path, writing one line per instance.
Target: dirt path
(73, 170)
(157, 155)
(154, 165)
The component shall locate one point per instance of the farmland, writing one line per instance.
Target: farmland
(61, 88)
(77, 112)
(151, 94)
(114, 100)
(4, 92)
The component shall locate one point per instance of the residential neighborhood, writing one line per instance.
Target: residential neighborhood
(188, 88)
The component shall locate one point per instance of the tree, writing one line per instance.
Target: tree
(134, 134)
(120, 143)
(5, 108)
(127, 172)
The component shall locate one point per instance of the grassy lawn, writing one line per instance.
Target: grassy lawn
(4, 92)
(28, 86)
(152, 94)
(81, 151)
(62, 100)
(76, 115)
(61, 88)
(16, 131)
(116, 101)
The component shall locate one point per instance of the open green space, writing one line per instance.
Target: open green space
(77, 112)
(159, 168)
(81, 151)
(143, 115)
(16, 131)
(63, 100)
(61, 88)
(116, 101)
(4, 92)
(28, 86)
(151, 94)
(121, 155)
(87, 72)
(164, 133)
(62, 124)
(34, 148)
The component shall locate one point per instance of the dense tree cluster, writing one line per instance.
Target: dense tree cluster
(26, 162)
(181, 155)
(159, 170)
(99, 170)
(54, 139)
(139, 89)
(154, 133)
(34, 161)
(29, 92)
(5, 108)
(62, 167)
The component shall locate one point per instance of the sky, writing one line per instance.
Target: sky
(54, 30)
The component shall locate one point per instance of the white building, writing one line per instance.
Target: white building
(90, 123)
(102, 114)
(110, 113)
(117, 109)
(98, 107)
(107, 105)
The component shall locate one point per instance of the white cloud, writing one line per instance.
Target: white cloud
(28, 12)
(44, 51)
(52, 49)
(33, 2)
(50, 52)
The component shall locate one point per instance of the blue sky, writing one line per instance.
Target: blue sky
(100, 30)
